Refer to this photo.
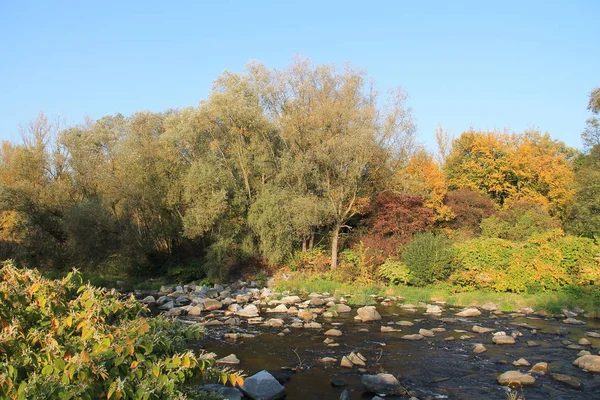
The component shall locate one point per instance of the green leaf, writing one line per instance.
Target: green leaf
(47, 370)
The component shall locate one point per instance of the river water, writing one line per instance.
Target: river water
(432, 367)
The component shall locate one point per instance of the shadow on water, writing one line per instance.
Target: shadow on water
(431, 367)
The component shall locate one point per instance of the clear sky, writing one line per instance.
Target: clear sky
(485, 64)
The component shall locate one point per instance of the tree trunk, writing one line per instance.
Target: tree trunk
(335, 235)
(304, 244)
(311, 243)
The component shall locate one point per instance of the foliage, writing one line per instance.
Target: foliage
(468, 209)
(64, 340)
(394, 219)
(429, 258)
(518, 221)
(506, 166)
(547, 261)
(394, 271)
(315, 260)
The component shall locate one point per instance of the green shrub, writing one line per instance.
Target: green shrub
(429, 258)
(549, 260)
(394, 271)
(64, 340)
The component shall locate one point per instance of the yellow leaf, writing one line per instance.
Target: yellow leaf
(156, 370)
(34, 288)
(134, 364)
(69, 321)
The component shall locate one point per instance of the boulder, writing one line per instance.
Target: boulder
(573, 321)
(568, 380)
(415, 336)
(316, 302)
(148, 300)
(346, 363)
(333, 332)
(212, 304)
(250, 311)
(281, 308)
(489, 306)
(540, 368)
(426, 332)
(275, 322)
(515, 377)
(230, 359)
(480, 329)
(469, 312)
(368, 313)
(503, 339)
(263, 386)
(433, 309)
(382, 384)
(479, 348)
(345, 395)
(588, 363)
(342, 308)
(521, 362)
(291, 300)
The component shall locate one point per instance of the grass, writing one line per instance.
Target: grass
(551, 302)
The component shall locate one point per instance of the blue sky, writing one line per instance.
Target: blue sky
(489, 65)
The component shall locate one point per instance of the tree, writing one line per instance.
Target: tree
(591, 133)
(528, 166)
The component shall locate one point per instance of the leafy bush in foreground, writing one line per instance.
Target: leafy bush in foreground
(61, 339)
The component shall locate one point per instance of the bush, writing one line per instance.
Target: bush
(315, 260)
(546, 261)
(429, 258)
(394, 271)
(64, 340)
(469, 208)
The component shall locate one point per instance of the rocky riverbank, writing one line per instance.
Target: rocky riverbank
(317, 346)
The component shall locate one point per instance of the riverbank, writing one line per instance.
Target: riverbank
(551, 302)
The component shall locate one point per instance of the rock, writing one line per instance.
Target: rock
(230, 359)
(540, 368)
(328, 340)
(593, 334)
(281, 308)
(333, 332)
(387, 329)
(167, 306)
(195, 311)
(338, 383)
(404, 323)
(346, 363)
(469, 312)
(521, 362)
(274, 322)
(568, 380)
(503, 339)
(316, 302)
(234, 308)
(531, 343)
(465, 337)
(415, 336)
(573, 321)
(426, 333)
(212, 304)
(588, 363)
(148, 300)
(480, 329)
(584, 342)
(562, 331)
(356, 360)
(250, 311)
(342, 308)
(515, 377)
(213, 322)
(233, 321)
(489, 306)
(305, 315)
(288, 300)
(263, 386)
(228, 393)
(583, 353)
(368, 313)
(327, 360)
(479, 348)
(382, 384)
(433, 309)
(313, 325)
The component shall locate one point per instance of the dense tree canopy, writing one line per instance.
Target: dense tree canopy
(277, 162)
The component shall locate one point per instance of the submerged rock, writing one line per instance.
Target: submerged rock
(382, 384)
(479, 348)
